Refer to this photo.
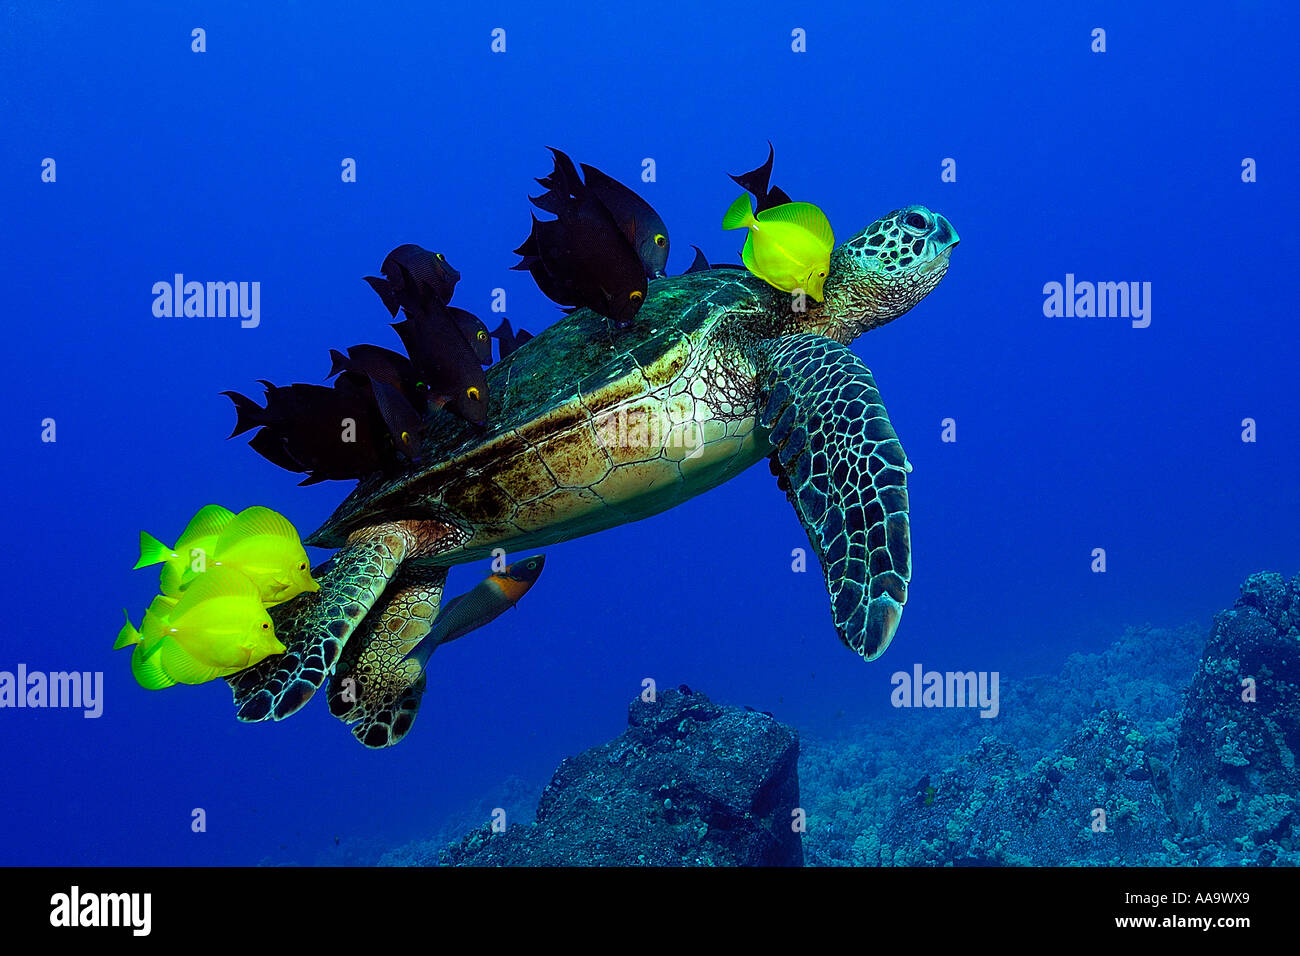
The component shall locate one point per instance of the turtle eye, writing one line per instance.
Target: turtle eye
(472, 393)
(661, 240)
(915, 220)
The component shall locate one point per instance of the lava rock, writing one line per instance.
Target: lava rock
(688, 783)
(1234, 773)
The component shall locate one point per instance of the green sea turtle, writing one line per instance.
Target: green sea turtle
(590, 429)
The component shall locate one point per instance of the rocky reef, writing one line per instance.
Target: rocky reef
(688, 783)
(1166, 749)
(1148, 754)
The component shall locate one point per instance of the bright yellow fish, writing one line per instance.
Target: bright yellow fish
(789, 246)
(195, 543)
(264, 546)
(218, 627)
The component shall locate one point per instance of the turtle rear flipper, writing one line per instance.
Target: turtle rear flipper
(846, 476)
(375, 687)
(315, 627)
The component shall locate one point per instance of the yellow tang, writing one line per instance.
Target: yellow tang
(218, 627)
(196, 541)
(789, 246)
(263, 545)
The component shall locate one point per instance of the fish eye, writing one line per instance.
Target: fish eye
(440, 256)
(472, 393)
(661, 240)
(481, 335)
(406, 437)
(635, 296)
(303, 566)
(265, 626)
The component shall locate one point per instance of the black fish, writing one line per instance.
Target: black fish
(405, 426)
(756, 182)
(382, 364)
(303, 430)
(414, 276)
(444, 361)
(636, 217)
(582, 258)
(474, 332)
(508, 340)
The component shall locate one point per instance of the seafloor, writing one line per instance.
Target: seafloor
(1160, 732)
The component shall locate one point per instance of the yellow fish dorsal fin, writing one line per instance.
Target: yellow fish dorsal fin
(148, 670)
(209, 521)
(804, 215)
(215, 582)
(254, 522)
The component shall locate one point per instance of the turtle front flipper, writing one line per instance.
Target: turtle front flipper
(375, 687)
(315, 627)
(846, 476)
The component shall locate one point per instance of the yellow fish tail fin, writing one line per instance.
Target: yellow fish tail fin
(739, 214)
(151, 551)
(807, 217)
(148, 670)
(128, 635)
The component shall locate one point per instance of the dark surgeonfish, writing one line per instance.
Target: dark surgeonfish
(756, 182)
(508, 340)
(474, 332)
(398, 394)
(382, 364)
(330, 433)
(414, 276)
(582, 258)
(492, 597)
(444, 361)
(636, 217)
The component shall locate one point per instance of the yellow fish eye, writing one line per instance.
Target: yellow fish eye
(635, 296)
(265, 626)
(661, 240)
(303, 566)
(472, 393)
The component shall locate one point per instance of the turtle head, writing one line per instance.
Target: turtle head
(883, 271)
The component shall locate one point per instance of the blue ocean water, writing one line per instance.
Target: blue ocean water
(1073, 433)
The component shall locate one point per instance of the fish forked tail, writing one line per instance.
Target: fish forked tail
(152, 551)
(128, 635)
(248, 414)
(739, 214)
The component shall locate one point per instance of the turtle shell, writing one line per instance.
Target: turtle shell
(550, 384)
